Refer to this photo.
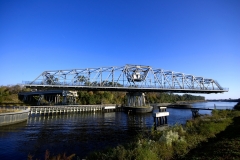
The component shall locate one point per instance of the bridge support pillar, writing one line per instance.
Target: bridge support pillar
(55, 99)
(64, 100)
(40, 99)
(136, 99)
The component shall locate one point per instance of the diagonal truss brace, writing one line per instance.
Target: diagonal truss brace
(138, 76)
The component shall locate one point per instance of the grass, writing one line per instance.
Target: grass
(8, 110)
(179, 142)
(225, 145)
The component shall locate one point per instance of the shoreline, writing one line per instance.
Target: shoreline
(225, 145)
(190, 139)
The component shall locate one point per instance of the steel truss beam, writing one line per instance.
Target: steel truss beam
(125, 78)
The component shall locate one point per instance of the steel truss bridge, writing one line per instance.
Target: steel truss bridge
(128, 78)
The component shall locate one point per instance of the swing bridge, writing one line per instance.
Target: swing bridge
(133, 79)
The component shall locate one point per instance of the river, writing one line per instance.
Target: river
(82, 133)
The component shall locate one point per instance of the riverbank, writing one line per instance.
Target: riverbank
(7, 110)
(178, 142)
(237, 106)
(224, 145)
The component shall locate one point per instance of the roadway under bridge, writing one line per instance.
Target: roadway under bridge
(134, 79)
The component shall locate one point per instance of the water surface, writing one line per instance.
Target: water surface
(82, 133)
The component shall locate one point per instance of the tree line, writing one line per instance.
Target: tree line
(10, 94)
(171, 98)
(106, 97)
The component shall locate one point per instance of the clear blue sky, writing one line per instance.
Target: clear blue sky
(198, 37)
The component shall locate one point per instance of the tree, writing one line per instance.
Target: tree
(51, 80)
(81, 79)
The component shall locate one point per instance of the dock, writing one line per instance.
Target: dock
(72, 108)
(58, 109)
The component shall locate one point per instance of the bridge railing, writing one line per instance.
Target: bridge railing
(139, 76)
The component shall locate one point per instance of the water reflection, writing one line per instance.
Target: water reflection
(76, 133)
(5, 130)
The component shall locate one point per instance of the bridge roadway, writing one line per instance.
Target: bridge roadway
(123, 89)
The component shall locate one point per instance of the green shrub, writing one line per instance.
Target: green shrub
(180, 148)
(145, 153)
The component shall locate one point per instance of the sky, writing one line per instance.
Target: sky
(197, 37)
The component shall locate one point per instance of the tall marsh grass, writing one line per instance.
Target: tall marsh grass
(48, 156)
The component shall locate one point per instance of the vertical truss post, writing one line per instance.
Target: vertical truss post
(183, 81)
(89, 74)
(101, 77)
(113, 77)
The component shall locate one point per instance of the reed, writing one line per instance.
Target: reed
(48, 156)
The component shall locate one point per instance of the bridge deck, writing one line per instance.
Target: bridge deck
(123, 89)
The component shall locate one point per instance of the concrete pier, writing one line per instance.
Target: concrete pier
(160, 118)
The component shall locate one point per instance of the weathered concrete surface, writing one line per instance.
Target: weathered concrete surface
(13, 117)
